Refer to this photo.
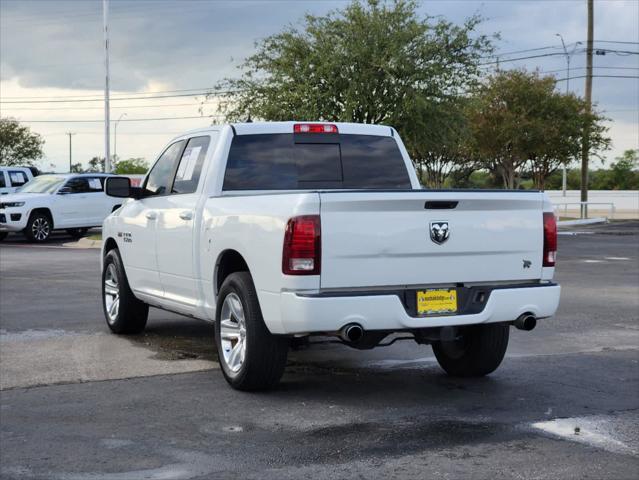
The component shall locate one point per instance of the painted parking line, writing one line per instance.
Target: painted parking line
(617, 258)
(613, 433)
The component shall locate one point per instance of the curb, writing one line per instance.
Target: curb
(84, 243)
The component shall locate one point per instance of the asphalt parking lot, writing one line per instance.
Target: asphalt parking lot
(80, 403)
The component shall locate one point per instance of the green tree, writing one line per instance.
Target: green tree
(626, 170)
(371, 62)
(623, 174)
(18, 145)
(76, 168)
(561, 136)
(520, 122)
(440, 143)
(131, 166)
(96, 165)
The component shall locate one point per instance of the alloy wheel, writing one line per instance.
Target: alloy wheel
(233, 333)
(41, 229)
(111, 293)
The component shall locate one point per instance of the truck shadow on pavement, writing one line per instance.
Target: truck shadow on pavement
(178, 339)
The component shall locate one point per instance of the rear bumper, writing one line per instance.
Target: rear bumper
(309, 314)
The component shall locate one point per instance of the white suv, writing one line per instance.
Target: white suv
(72, 202)
(12, 178)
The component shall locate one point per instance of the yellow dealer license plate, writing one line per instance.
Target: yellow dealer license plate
(435, 301)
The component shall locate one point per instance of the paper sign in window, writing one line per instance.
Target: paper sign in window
(187, 164)
(94, 184)
(17, 177)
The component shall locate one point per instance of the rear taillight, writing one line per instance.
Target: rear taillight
(302, 246)
(550, 239)
(314, 128)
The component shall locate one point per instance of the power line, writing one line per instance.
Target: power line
(82, 132)
(28, 97)
(617, 52)
(500, 60)
(616, 41)
(127, 107)
(596, 76)
(119, 12)
(198, 94)
(583, 68)
(501, 54)
(124, 120)
(551, 47)
(523, 58)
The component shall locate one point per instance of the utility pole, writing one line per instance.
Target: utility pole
(568, 55)
(70, 151)
(585, 149)
(107, 120)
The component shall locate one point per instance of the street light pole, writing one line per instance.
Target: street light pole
(107, 152)
(115, 137)
(564, 180)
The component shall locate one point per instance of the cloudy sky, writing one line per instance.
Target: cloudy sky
(166, 53)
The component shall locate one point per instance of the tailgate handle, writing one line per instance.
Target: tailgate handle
(440, 204)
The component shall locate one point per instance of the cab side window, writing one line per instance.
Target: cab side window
(188, 172)
(76, 185)
(161, 175)
(2, 184)
(17, 178)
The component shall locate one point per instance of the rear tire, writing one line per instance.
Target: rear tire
(478, 352)
(39, 227)
(250, 356)
(124, 313)
(3, 235)
(77, 232)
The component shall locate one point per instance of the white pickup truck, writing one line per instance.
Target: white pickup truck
(283, 230)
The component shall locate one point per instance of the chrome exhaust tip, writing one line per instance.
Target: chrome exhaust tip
(351, 333)
(526, 321)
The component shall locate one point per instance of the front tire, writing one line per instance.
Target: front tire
(39, 227)
(250, 356)
(478, 351)
(77, 232)
(124, 313)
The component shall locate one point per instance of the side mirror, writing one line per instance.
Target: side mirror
(64, 191)
(120, 187)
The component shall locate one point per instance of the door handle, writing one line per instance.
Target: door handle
(151, 215)
(186, 215)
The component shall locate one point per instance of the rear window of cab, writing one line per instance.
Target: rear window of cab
(307, 161)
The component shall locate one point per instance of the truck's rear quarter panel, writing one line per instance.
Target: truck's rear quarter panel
(254, 225)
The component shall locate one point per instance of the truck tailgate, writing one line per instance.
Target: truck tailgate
(384, 238)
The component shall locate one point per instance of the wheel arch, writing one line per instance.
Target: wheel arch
(46, 211)
(109, 244)
(228, 261)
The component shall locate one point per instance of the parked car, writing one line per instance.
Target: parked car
(73, 202)
(283, 230)
(12, 178)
